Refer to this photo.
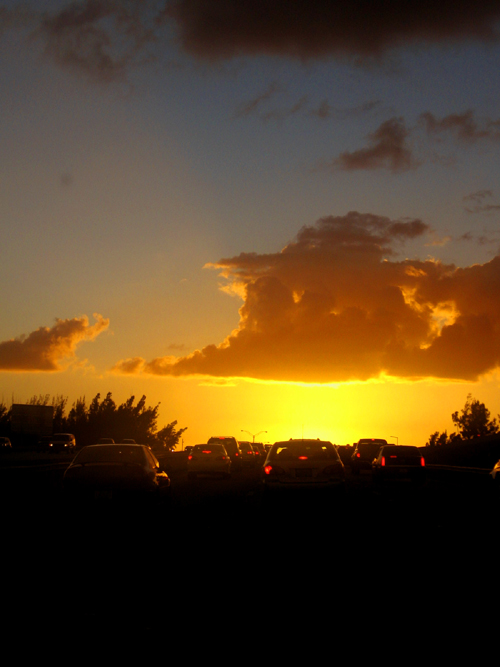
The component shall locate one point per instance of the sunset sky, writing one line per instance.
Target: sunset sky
(266, 215)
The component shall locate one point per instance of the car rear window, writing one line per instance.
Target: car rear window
(370, 448)
(401, 450)
(311, 449)
(213, 448)
(110, 454)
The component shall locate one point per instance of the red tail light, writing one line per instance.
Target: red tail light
(207, 451)
(190, 457)
(382, 462)
(303, 458)
(422, 462)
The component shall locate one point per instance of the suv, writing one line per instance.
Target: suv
(366, 450)
(232, 448)
(399, 462)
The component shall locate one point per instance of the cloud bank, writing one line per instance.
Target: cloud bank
(49, 349)
(103, 39)
(337, 304)
(216, 29)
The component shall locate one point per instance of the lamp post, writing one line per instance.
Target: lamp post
(397, 439)
(253, 436)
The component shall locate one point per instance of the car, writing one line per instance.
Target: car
(365, 451)
(208, 460)
(260, 452)
(128, 441)
(105, 441)
(5, 442)
(62, 442)
(116, 473)
(398, 462)
(232, 448)
(247, 453)
(299, 464)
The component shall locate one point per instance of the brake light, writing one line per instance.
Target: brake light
(190, 457)
(303, 458)
(382, 461)
(358, 455)
(207, 451)
(422, 462)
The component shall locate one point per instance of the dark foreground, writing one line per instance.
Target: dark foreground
(220, 543)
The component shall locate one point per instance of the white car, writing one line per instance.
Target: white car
(210, 459)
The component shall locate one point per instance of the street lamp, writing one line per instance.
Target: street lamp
(397, 439)
(253, 436)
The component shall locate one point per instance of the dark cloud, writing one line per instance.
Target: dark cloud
(99, 38)
(253, 105)
(387, 149)
(317, 28)
(477, 199)
(336, 304)
(463, 125)
(322, 111)
(45, 349)
(103, 39)
(325, 110)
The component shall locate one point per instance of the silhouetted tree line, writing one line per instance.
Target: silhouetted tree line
(472, 422)
(103, 418)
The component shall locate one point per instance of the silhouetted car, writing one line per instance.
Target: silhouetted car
(300, 464)
(128, 441)
(105, 441)
(365, 451)
(116, 472)
(260, 453)
(232, 448)
(208, 459)
(247, 453)
(5, 442)
(62, 442)
(398, 462)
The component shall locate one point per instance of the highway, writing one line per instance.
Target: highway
(220, 538)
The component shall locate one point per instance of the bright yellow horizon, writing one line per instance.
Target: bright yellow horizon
(342, 413)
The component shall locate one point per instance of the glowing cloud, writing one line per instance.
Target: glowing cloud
(334, 305)
(45, 349)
